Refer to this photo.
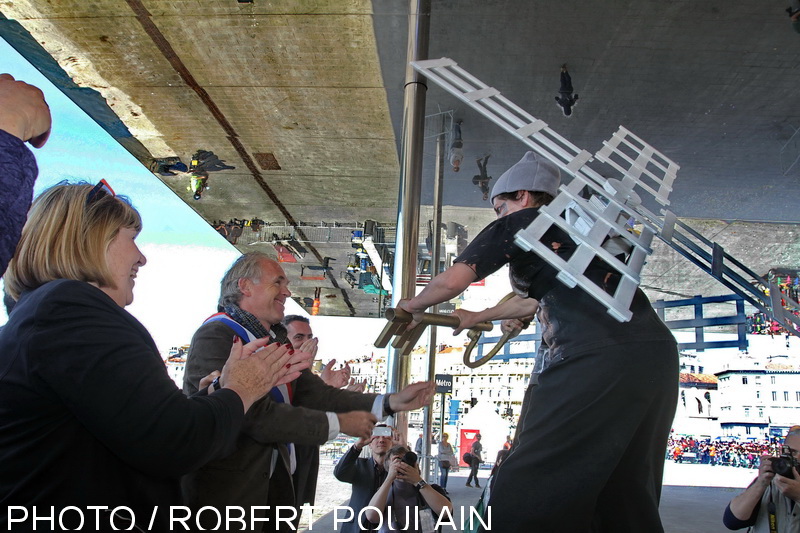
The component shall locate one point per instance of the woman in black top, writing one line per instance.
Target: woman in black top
(593, 433)
(89, 418)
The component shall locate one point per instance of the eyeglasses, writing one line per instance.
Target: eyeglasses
(100, 190)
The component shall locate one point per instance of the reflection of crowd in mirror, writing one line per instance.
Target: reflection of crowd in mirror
(208, 161)
(482, 180)
(565, 99)
(720, 451)
(794, 15)
(761, 324)
(233, 228)
(198, 183)
(456, 154)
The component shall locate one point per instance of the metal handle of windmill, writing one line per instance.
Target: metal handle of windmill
(475, 336)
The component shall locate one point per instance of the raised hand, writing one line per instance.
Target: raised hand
(413, 396)
(357, 423)
(335, 378)
(23, 111)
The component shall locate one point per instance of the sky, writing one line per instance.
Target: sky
(178, 287)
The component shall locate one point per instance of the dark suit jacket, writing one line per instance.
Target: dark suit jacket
(305, 476)
(88, 414)
(361, 474)
(242, 478)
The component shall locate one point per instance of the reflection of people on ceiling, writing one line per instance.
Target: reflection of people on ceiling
(794, 14)
(456, 153)
(197, 184)
(207, 161)
(566, 100)
(168, 166)
(482, 180)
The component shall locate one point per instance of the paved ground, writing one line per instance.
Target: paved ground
(693, 500)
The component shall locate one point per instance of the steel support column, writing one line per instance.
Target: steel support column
(405, 259)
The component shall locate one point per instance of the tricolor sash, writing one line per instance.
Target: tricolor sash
(281, 393)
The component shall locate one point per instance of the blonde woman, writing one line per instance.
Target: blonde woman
(446, 458)
(88, 414)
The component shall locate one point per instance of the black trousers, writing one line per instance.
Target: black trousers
(473, 471)
(590, 455)
(281, 495)
(566, 84)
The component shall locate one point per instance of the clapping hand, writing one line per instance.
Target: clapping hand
(335, 378)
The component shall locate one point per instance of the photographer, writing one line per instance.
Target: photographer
(365, 474)
(772, 496)
(404, 500)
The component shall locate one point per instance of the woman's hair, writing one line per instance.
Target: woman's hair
(539, 198)
(67, 236)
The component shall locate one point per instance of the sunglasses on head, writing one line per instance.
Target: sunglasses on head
(100, 190)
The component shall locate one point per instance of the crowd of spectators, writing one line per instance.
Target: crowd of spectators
(744, 454)
(761, 324)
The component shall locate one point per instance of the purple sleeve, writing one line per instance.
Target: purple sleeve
(17, 174)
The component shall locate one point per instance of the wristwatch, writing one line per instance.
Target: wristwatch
(386, 407)
(421, 484)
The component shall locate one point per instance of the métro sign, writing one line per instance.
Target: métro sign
(444, 383)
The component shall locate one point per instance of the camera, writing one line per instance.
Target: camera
(784, 464)
(410, 458)
(382, 431)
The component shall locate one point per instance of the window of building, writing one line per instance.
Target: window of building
(758, 394)
(774, 396)
(744, 380)
(760, 412)
(797, 396)
(772, 379)
(785, 396)
(747, 412)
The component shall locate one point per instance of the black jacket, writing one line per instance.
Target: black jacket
(361, 473)
(88, 414)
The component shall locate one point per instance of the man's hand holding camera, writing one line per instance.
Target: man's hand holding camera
(765, 472)
(406, 472)
(784, 470)
(790, 487)
(399, 469)
(363, 441)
